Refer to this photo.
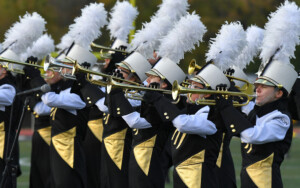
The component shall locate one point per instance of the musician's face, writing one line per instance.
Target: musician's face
(3, 72)
(266, 94)
(107, 61)
(157, 79)
(52, 77)
(194, 97)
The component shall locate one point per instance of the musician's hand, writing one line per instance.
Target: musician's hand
(81, 79)
(117, 73)
(222, 101)
(32, 60)
(85, 65)
(151, 96)
(154, 85)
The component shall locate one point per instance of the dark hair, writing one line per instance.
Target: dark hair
(284, 91)
(169, 85)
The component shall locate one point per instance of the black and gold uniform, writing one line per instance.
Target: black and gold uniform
(195, 144)
(149, 137)
(7, 134)
(67, 160)
(92, 142)
(266, 136)
(41, 138)
(115, 152)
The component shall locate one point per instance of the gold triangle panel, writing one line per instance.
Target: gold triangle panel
(45, 134)
(143, 154)
(96, 126)
(64, 145)
(261, 172)
(190, 170)
(114, 145)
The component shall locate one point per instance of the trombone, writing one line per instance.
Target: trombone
(177, 89)
(50, 62)
(20, 71)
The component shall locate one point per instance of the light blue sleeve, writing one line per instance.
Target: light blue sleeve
(269, 128)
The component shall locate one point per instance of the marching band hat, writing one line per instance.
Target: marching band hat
(80, 54)
(239, 73)
(9, 54)
(136, 63)
(168, 70)
(278, 74)
(211, 76)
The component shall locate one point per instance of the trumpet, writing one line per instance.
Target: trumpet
(177, 89)
(113, 84)
(131, 91)
(20, 71)
(247, 88)
(193, 66)
(107, 48)
(50, 62)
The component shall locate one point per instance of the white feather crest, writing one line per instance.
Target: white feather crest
(87, 27)
(255, 37)
(40, 48)
(23, 33)
(282, 31)
(186, 33)
(65, 42)
(147, 39)
(227, 45)
(122, 16)
(175, 9)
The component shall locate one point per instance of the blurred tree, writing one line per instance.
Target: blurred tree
(60, 14)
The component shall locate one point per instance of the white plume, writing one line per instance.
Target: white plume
(122, 16)
(40, 48)
(227, 45)
(187, 33)
(23, 33)
(282, 31)
(65, 42)
(87, 27)
(255, 37)
(148, 38)
(175, 9)
(0, 47)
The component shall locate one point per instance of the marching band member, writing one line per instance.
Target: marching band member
(7, 94)
(246, 45)
(117, 137)
(266, 133)
(69, 115)
(41, 138)
(17, 39)
(197, 139)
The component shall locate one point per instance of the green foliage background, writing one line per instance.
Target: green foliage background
(60, 14)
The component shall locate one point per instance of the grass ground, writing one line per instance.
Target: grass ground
(289, 169)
